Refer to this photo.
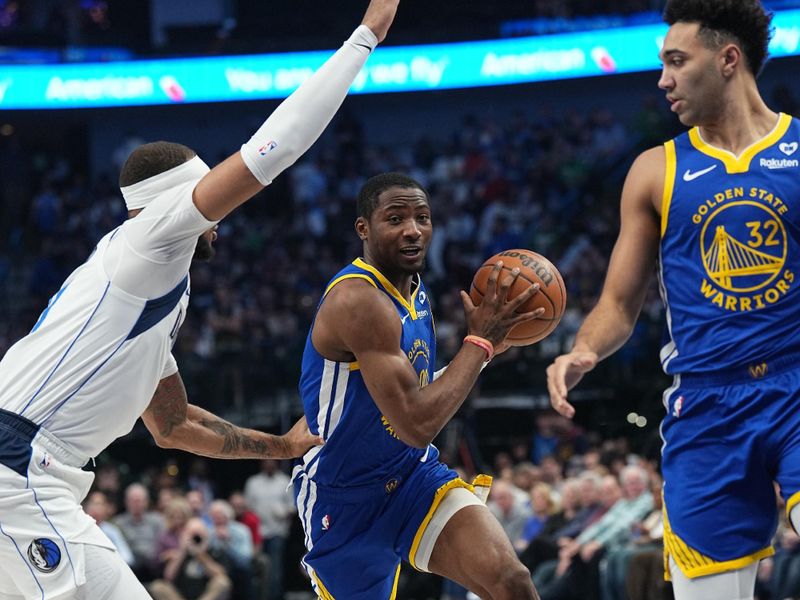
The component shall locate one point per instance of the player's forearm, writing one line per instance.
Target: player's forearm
(607, 327)
(208, 435)
(438, 402)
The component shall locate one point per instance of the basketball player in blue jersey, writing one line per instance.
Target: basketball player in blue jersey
(717, 209)
(99, 356)
(376, 494)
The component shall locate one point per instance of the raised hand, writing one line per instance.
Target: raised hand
(564, 374)
(379, 17)
(496, 314)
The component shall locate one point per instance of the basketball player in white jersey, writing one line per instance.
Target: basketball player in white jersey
(99, 357)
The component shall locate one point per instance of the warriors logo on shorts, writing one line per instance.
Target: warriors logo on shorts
(44, 554)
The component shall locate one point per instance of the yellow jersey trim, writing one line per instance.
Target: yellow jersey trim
(437, 499)
(389, 287)
(354, 366)
(693, 564)
(482, 480)
(324, 594)
(793, 501)
(349, 276)
(741, 163)
(669, 183)
(396, 579)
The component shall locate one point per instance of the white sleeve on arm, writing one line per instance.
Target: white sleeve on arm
(302, 117)
(170, 366)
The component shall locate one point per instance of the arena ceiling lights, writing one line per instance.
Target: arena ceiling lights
(391, 69)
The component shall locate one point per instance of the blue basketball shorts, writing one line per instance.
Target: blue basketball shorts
(727, 438)
(357, 537)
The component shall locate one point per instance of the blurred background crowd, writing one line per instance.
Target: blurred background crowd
(579, 500)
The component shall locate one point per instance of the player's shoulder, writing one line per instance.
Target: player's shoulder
(645, 181)
(355, 293)
(651, 159)
(356, 299)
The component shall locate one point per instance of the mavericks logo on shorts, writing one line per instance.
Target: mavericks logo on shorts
(44, 554)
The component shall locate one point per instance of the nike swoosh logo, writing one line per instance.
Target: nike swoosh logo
(689, 176)
(403, 319)
(369, 49)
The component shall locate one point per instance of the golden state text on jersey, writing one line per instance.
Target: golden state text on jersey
(729, 256)
(360, 444)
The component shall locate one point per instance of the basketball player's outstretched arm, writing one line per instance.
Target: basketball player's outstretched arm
(174, 423)
(610, 323)
(296, 123)
(358, 319)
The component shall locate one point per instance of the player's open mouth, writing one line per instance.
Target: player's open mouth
(411, 251)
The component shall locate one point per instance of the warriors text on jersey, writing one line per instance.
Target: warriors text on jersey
(730, 251)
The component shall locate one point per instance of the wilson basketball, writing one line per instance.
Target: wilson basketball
(533, 268)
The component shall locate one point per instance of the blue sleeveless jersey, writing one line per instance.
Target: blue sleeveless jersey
(360, 445)
(729, 254)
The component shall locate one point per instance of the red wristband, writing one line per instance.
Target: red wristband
(483, 343)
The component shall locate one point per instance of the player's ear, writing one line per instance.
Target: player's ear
(731, 57)
(362, 228)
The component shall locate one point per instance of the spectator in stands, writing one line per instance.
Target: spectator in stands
(646, 538)
(524, 476)
(195, 571)
(266, 492)
(200, 480)
(543, 505)
(511, 514)
(578, 572)
(107, 480)
(198, 503)
(177, 513)
(141, 529)
(232, 538)
(100, 509)
(247, 517)
(544, 545)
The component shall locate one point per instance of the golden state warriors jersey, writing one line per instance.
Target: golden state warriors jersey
(729, 255)
(360, 445)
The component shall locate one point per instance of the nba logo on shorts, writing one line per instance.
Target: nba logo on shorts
(326, 522)
(676, 408)
(45, 462)
(44, 554)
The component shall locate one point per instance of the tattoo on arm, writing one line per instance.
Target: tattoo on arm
(168, 406)
(237, 441)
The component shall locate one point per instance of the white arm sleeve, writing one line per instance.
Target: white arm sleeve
(302, 117)
(170, 366)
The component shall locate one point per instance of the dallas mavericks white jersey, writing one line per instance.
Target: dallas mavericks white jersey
(90, 365)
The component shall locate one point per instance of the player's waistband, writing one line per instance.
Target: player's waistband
(360, 493)
(754, 371)
(17, 434)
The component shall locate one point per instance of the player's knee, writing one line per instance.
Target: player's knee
(512, 581)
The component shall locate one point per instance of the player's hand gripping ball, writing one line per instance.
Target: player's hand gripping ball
(533, 268)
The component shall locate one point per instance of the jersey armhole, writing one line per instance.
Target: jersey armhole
(669, 184)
